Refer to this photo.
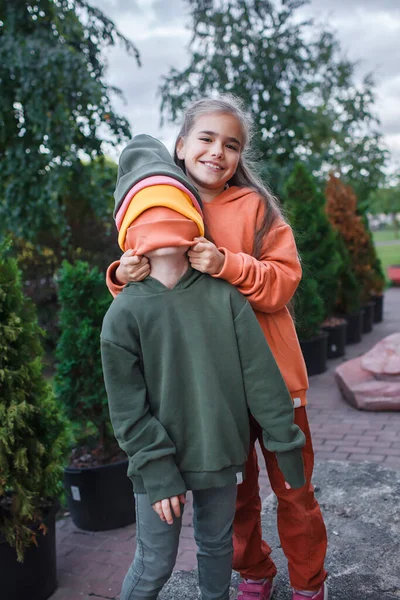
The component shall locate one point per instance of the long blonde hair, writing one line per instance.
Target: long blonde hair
(245, 175)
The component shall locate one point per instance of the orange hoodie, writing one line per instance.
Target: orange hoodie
(268, 283)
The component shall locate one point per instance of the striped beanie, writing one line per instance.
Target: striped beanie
(160, 227)
(149, 178)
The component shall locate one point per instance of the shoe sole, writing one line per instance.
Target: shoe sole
(272, 593)
(325, 593)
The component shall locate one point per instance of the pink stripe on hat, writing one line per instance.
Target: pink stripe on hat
(148, 182)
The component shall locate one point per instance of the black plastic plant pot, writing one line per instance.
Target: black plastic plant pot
(100, 498)
(36, 577)
(368, 317)
(315, 353)
(354, 327)
(336, 340)
(378, 308)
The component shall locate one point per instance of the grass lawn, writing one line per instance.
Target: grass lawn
(386, 235)
(389, 255)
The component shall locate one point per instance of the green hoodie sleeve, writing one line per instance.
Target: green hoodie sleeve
(150, 451)
(268, 398)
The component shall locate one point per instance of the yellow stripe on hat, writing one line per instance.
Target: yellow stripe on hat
(159, 195)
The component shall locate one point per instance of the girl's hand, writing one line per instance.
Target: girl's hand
(163, 508)
(205, 257)
(287, 486)
(132, 268)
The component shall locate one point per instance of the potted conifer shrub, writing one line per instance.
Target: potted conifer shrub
(309, 310)
(33, 443)
(378, 280)
(375, 283)
(348, 302)
(99, 493)
(341, 208)
(317, 245)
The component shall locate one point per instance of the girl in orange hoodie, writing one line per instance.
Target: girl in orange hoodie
(250, 245)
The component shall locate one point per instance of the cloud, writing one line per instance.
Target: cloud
(366, 5)
(370, 39)
(168, 10)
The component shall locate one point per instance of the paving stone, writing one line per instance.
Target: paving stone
(373, 444)
(328, 435)
(331, 455)
(62, 594)
(324, 447)
(107, 588)
(84, 539)
(377, 458)
(392, 461)
(119, 546)
(187, 532)
(100, 572)
(392, 451)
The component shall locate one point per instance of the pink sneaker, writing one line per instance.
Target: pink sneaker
(256, 591)
(322, 594)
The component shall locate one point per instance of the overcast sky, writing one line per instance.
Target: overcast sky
(369, 32)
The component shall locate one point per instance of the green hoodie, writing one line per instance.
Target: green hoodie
(182, 369)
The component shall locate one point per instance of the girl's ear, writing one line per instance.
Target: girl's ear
(180, 149)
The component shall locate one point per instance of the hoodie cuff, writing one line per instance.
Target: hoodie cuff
(112, 282)
(162, 479)
(232, 268)
(292, 467)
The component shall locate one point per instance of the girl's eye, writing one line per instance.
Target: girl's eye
(205, 139)
(232, 147)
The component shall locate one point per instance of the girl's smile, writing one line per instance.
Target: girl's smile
(212, 166)
(211, 152)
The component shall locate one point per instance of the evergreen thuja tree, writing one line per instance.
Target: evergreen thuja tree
(377, 276)
(315, 238)
(308, 308)
(341, 208)
(349, 291)
(84, 300)
(33, 432)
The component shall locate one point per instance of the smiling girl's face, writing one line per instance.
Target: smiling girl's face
(211, 152)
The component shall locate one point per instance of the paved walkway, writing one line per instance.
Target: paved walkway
(92, 565)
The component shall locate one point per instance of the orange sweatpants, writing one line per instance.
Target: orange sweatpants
(300, 523)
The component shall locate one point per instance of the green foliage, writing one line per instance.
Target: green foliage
(377, 276)
(341, 207)
(315, 238)
(84, 300)
(309, 309)
(292, 77)
(55, 107)
(88, 202)
(33, 431)
(385, 200)
(349, 292)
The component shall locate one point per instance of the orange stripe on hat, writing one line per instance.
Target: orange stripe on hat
(160, 227)
(159, 195)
